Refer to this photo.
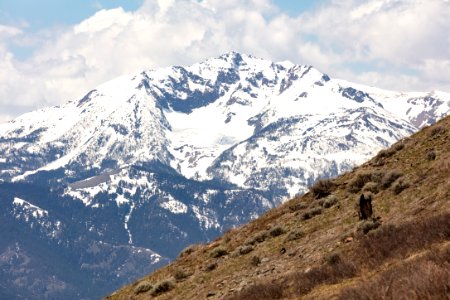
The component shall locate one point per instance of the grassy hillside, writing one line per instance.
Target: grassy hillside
(315, 246)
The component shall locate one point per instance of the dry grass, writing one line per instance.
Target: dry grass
(397, 241)
(427, 277)
(327, 273)
(260, 291)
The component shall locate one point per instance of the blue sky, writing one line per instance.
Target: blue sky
(59, 49)
(33, 16)
(39, 14)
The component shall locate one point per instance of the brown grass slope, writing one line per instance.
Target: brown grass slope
(315, 246)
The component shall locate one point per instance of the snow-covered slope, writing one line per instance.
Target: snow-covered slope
(154, 161)
(234, 118)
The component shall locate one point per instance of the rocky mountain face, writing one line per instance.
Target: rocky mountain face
(115, 184)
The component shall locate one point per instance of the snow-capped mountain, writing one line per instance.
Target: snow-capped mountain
(124, 178)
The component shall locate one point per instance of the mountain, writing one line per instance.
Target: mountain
(316, 247)
(117, 183)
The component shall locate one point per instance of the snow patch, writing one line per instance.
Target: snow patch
(32, 209)
(174, 206)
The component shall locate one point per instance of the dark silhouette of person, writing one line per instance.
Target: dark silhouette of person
(365, 207)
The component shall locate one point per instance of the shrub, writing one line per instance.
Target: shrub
(295, 235)
(322, 188)
(329, 201)
(357, 183)
(399, 146)
(298, 206)
(372, 187)
(143, 286)
(385, 153)
(211, 266)
(390, 177)
(333, 258)
(163, 287)
(377, 176)
(258, 238)
(276, 231)
(245, 249)
(368, 225)
(218, 252)
(180, 275)
(255, 261)
(260, 291)
(314, 211)
(431, 155)
(399, 186)
(188, 250)
(437, 130)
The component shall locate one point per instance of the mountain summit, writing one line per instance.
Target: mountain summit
(118, 182)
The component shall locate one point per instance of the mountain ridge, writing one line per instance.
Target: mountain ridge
(154, 161)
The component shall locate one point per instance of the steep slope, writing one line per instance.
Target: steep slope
(115, 184)
(316, 247)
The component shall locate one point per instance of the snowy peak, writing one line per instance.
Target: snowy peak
(203, 120)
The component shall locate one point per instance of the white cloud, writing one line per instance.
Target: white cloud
(399, 33)
(405, 42)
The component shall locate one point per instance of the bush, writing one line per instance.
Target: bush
(218, 252)
(431, 155)
(245, 249)
(188, 250)
(276, 231)
(163, 287)
(295, 235)
(258, 238)
(180, 275)
(399, 146)
(437, 130)
(377, 176)
(260, 291)
(368, 225)
(385, 153)
(314, 211)
(143, 286)
(357, 183)
(372, 187)
(255, 261)
(298, 206)
(322, 188)
(390, 177)
(329, 201)
(211, 267)
(333, 258)
(399, 186)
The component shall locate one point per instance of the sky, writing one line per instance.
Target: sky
(54, 51)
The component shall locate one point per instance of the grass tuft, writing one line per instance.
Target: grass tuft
(143, 286)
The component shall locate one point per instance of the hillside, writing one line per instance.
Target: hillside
(316, 247)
